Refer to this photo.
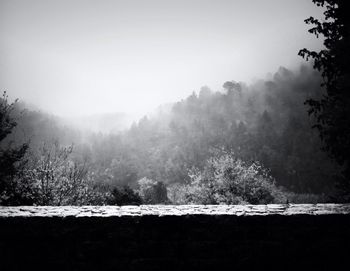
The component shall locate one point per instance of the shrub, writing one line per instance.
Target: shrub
(228, 180)
(152, 192)
(54, 179)
(124, 196)
(177, 193)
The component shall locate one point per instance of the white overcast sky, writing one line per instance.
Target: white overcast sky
(84, 57)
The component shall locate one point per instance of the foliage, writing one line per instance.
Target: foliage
(265, 121)
(11, 158)
(57, 180)
(332, 110)
(152, 192)
(177, 193)
(124, 196)
(229, 180)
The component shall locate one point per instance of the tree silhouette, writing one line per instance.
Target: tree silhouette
(11, 158)
(332, 111)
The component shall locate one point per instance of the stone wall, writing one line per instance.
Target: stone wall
(175, 237)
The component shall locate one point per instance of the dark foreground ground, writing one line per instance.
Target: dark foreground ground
(313, 237)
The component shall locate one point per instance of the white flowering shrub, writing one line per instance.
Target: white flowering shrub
(56, 180)
(229, 180)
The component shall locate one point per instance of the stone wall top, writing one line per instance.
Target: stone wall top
(174, 210)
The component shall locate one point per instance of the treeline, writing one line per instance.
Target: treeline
(266, 122)
(243, 144)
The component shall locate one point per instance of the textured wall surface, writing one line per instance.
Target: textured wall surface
(175, 237)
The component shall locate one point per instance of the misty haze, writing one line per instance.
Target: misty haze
(172, 102)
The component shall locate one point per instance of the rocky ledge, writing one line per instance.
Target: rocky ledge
(175, 210)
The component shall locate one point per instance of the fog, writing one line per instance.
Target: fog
(76, 58)
(168, 102)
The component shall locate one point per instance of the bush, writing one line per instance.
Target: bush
(228, 180)
(177, 194)
(54, 179)
(124, 196)
(152, 192)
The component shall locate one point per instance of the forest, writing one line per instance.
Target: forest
(244, 144)
(280, 139)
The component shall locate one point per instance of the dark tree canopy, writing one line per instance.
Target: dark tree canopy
(11, 158)
(124, 196)
(332, 111)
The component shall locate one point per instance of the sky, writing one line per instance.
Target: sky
(74, 58)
